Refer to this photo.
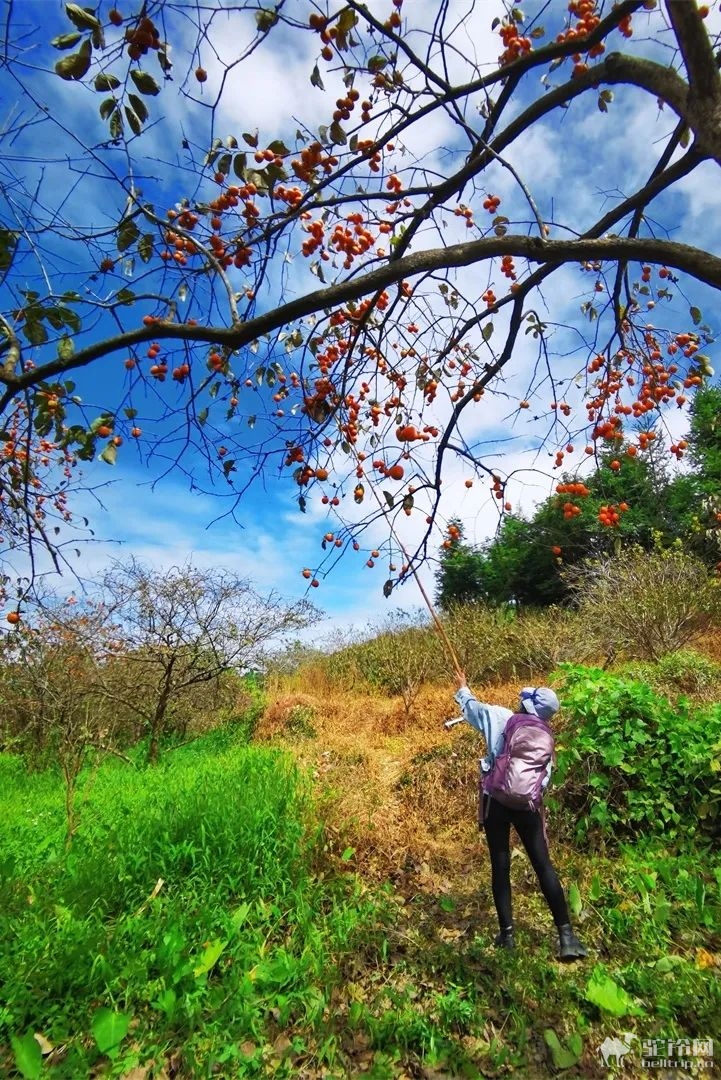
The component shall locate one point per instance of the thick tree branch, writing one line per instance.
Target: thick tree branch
(698, 57)
(682, 257)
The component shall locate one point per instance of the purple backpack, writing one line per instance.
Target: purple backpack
(518, 771)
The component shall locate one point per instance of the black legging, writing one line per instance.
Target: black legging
(529, 826)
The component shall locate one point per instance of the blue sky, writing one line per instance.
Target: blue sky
(169, 520)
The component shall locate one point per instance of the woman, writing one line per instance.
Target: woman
(497, 818)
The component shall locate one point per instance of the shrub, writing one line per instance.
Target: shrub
(645, 605)
(689, 671)
(632, 762)
(479, 637)
(403, 654)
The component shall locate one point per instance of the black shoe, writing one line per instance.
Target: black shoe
(569, 947)
(505, 939)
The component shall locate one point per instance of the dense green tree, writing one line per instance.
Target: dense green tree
(524, 563)
(460, 575)
(704, 438)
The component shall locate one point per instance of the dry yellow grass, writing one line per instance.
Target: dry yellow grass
(400, 790)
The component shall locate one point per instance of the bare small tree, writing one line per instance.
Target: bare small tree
(402, 655)
(183, 628)
(52, 706)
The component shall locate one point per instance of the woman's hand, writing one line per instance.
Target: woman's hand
(460, 680)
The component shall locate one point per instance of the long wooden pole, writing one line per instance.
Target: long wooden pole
(434, 615)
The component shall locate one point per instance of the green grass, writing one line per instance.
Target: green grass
(262, 954)
(241, 941)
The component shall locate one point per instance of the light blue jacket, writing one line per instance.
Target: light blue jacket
(490, 721)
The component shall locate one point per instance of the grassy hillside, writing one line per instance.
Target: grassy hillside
(315, 902)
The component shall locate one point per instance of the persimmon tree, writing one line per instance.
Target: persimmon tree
(351, 294)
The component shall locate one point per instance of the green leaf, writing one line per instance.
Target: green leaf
(209, 957)
(666, 964)
(315, 79)
(35, 332)
(28, 1056)
(139, 107)
(279, 147)
(166, 1001)
(145, 247)
(240, 162)
(389, 499)
(83, 18)
(266, 20)
(563, 1057)
(116, 124)
(203, 416)
(128, 233)
(337, 134)
(377, 63)
(66, 41)
(603, 992)
(487, 331)
(107, 107)
(135, 126)
(69, 318)
(75, 66)
(130, 413)
(125, 296)
(252, 140)
(696, 315)
(388, 588)
(54, 318)
(66, 348)
(684, 138)
(106, 82)
(348, 854)
(109, 454)
(574, 899)
(109, 1028)
(144, 82)
(345, 22)
(8, 243)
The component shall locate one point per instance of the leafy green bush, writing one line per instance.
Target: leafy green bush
(633, 762)
(300, 722)
(684, 670)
